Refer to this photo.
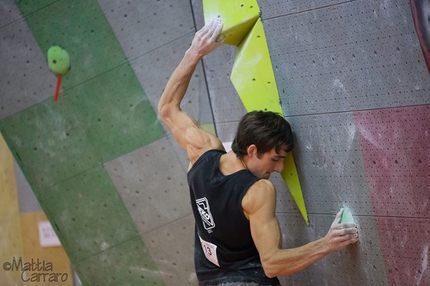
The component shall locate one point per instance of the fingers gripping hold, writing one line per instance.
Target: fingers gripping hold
(214, 29)
(348, 229)
(341, 235)
(207, 38)
(349, 233)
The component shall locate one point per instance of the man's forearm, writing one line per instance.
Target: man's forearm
(204, 42)
(289, 261)
(178, 83)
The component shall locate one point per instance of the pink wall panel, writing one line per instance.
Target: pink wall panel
(395, 147)
(405, 246)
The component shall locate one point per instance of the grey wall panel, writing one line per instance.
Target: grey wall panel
(284, 201)
(26, 80)
(143, 26)
(226, 104)
(357, 55)
(180, 153)
(164, 60)
(172, 249)
(329, 161)
(197, 7)
(9, 12)
(310, 164)
(152, 184)
(271, 9)
(227, 130)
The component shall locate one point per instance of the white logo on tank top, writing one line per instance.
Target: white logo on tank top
(205, 213)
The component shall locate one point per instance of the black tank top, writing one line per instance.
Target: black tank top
(224, 249)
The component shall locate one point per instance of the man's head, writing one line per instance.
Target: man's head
(264, 132)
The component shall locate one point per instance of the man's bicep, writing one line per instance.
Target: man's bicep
(178, 122)
(190, 136)
(264, 224)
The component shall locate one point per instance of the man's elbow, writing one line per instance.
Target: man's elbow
(272, 269)
(270, 274)
(163, 111)
(160, 107)
(269, 269)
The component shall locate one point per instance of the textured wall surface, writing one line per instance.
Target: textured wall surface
(353, 84)
(99, 161)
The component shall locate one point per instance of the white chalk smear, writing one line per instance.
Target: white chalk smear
(424, 263)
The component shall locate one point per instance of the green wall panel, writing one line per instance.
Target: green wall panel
(89, 214)
(115, 113)
(50, 142)
(102, 114)
(94, 122)
(81, 28)
(30, 6)
(127, 264)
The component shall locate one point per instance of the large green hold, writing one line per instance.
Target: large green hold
(58, 60)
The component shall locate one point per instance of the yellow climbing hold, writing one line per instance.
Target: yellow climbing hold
(291, 179)
(252, 74)
(237, 17)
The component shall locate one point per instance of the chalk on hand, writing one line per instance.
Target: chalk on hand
(346, 216)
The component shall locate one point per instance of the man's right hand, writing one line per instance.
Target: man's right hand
(341, 235)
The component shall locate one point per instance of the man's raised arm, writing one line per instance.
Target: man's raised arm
(178, 121)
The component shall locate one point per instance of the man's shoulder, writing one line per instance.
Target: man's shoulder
(261, 189)
(207, 156)
(199, 141)
(261, 195)
(263, 184)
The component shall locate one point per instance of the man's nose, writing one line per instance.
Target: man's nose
(279, 166)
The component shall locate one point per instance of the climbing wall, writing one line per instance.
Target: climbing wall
(354, 85)
(105, 172)
(352, 81)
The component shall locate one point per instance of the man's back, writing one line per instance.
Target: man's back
(224, 248)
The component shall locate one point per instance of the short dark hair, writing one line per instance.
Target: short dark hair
(266, 130)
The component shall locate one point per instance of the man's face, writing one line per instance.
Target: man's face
(267, 163)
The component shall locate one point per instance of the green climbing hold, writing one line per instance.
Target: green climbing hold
(346, 216)
(58, 60)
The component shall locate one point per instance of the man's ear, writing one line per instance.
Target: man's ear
(252, 151)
